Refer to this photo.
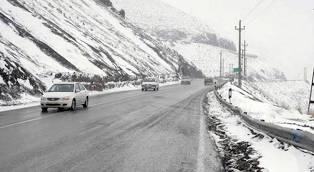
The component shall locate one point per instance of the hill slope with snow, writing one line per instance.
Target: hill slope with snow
(197, 42)
(170, 24)
(82, 36)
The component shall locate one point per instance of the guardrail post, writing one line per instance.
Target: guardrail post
(311, 101)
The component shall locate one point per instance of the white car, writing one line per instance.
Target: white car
(65, 95)
(150, 83)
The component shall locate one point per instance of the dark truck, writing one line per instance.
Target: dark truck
(208, 81)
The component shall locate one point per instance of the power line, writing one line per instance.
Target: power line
(253, 9)
(245, 59)
(261, 12)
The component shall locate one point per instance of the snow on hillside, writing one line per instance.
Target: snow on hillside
(42, 37)
(83, 34)
(155, 15)
(287, 94)
(169, 24)
(207, 58)
(259, 107)
(191, 38)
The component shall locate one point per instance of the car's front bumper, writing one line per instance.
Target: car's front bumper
(56, 104)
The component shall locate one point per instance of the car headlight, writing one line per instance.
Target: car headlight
(66, 98)
(43, 98)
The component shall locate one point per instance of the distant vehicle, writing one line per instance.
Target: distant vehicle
(185, 80)
(64, 96)
(208, 81)
(150, 84)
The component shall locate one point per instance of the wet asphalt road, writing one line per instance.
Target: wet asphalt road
(122, 132)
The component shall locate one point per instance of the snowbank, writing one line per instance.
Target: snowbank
(259, 107)
(288, 94)
(271, 154)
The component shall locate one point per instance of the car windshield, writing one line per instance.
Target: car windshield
(150, 80)
(61, 88)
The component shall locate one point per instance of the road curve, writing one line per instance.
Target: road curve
(120, 132)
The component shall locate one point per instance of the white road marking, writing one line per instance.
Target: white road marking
(201, 144)
(22, 122)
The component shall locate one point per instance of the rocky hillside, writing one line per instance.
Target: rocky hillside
(40, 38)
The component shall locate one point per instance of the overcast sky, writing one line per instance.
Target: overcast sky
(280, 30)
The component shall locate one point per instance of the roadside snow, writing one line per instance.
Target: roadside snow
(25, 101)
(31, 101)
(259, 107)
(274, 155)
(288, 94)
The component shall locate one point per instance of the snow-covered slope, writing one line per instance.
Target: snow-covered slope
(155, 15)
(170, 24)
(207, 58)
(260, 107)
(74, 35)
(82, 36)
(287, 94)
(196, 41)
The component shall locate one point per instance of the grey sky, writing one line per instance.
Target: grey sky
(280, 30)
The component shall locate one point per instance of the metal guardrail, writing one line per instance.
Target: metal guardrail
(296, 137)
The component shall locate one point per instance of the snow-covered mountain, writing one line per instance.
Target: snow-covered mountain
(197, 42)
(83, 36)
(170, 24)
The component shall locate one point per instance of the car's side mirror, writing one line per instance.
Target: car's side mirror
(77, 90)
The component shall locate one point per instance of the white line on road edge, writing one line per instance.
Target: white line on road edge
(201, 144)
(22, 122)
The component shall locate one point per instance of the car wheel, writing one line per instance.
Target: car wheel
(157, 88)
(44, 109)
(73, 106)
(142, 89)
(154, 89)
(85, 105)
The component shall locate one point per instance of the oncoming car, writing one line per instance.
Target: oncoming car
(64, 96)
(150, 83)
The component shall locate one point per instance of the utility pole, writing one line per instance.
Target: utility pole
(244, 58)
(240, 29)
(311, 101)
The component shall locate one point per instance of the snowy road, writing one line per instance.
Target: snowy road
(128, 131)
